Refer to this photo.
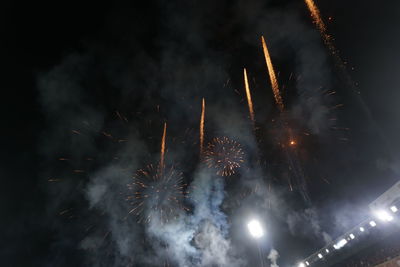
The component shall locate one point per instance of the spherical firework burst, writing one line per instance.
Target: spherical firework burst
(156, 191)
(224, 155)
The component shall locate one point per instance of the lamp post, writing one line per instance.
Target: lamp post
(256, 231)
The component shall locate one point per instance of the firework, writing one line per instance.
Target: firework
(272, 76)
(163, 147)
(248, 95)
(203, 107)
(317, 19)
(224, 155)
(156, 192)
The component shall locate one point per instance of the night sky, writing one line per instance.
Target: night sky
(75, 73)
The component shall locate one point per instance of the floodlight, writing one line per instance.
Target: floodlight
(327, 250)
(352, 236)
(320, 255)
(372, 223)
(340, 244)
(393, 209)
(307, 263)
(383, 216)
(255, 229)
(302, 265)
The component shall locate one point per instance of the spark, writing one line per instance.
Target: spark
(272, 76)
(224, 155)
(156, 192)
(203, 107)
(248, 94)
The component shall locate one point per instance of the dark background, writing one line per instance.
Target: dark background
(37, 37)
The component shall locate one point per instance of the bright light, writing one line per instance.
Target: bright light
(255, 229)
(320, 256)
(307, 263)
(340, 244)
(327, 250)
(372, 223)
(384, 216)
(362, 229)
(302, 265)
(393, 209)
(352, 236)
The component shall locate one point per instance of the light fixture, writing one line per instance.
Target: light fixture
(383, 216)
(393, 209)
(320, 255)
(362, 229)
(255, 229)
(340, 244)
(352, 236)
(372, 223)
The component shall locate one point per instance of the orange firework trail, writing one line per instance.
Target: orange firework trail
(272, 76)
(248, 94)
(203, 108)
(163, 147)
(317, 19)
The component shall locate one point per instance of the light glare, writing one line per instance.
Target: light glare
(320, 256)
(352, 236)
(372, 223)
(393, 209)
(255, 229)
(340, 244)
(362, 229)
(383, 216)
(302, 265)
(327, 250)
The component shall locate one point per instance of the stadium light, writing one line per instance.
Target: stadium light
(302, 264)
(255, 229)
(383, 216)
(307, 263)
(372, 223)
(320, 255)
(362, 229)
(327, 250)
(340, 244)
(352, 236)
(393, 209)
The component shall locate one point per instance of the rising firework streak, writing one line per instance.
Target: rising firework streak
(163, 147)
(317, 19)
(248, 95)
(203, 107)
(272, 76)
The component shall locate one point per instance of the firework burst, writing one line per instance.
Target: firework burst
(224, 155)
(156, 193)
